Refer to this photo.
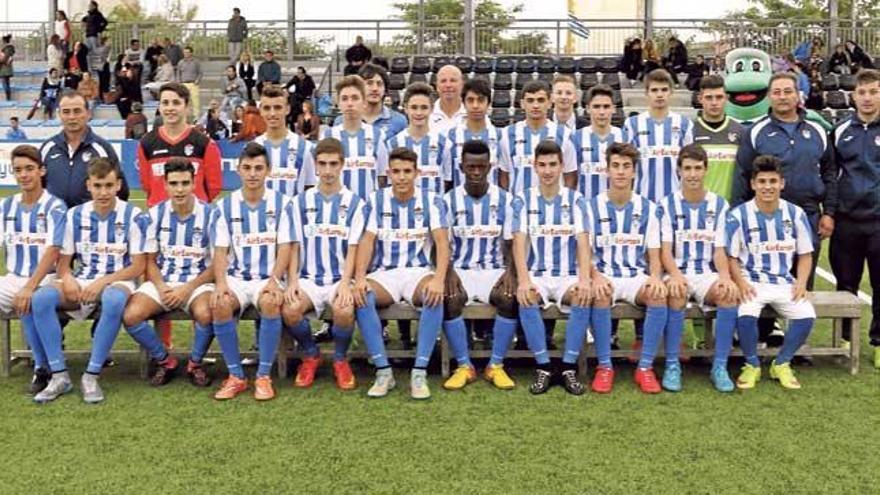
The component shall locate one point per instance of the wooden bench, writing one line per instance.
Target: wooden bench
(842, 307)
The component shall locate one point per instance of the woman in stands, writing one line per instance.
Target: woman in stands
(55, 53)
(858, 57)
(632, 64)
(652, 58)
(308, 124)
(246, 73)
(840, 61)
(49, 93)
(62, 29)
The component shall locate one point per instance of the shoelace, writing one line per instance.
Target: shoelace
(542, 379)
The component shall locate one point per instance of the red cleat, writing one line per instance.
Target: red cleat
(636, 352)
(603, 382)
(344, 377)
(647, 381)
(305, 373)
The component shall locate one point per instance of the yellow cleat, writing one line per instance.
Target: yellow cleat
(784, 374)
(748, 377)
(495, 373)
(462, 376)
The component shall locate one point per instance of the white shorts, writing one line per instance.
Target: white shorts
(86, 310)
(779, 297)
(478, 284)
(247, 292)
(553, 289)
(627, 288)
(320, 295)
(699, 286)
(11, 285)
(401, 283)
(149, 289)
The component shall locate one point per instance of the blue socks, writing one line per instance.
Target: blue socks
(672, 335)
(655, 322)
(430, 322)
(575, 331)
(502, 336)
(341, 341)
(747, 329)
(112, 305)
(302, 332)
(43, 309)
(456, 332)
(228, 339)
(144, 335)
(371, 330)
(601, 325)
(201, 341)
(795, 336)
(33, 341)
(270, 335)
(725, 322)
(533, 327)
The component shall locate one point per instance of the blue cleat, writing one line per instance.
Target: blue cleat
(721, 379)
(672, 377)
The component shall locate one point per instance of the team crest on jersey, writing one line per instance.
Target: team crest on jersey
(188, 150)
(419, 214)
(805, 133)
(120, 229)
(197, 235)
(41, 223)
(877, 140)
(636, 220)
(710, 219)
(732, 137)
(9, 239)
(343, 212)
(566, 213)
(87, 155)
(270, 220)
(493, 212)
(787, 226)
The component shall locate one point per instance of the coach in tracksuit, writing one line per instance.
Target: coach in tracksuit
(856, 145)
(807, 165)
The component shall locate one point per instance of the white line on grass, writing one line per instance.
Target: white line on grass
(830, 278)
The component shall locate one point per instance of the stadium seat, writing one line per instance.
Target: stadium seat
(504, 65)
(566, 65)
(395, 98)
(827, 115)
(517, 98)
(830, 82)
(482, 76)
(418, 77)
(617, 99)
(588, 65)
(608, 65)
(525, 66)
(618, 118)
(847, 82)
(547, 78)
(612, 79)
(501, 99)
(433, 80)
(399, 65)
(519, 115)
(440, 62)
(842, 115)
(695, 100)
(521, 80)
(396, 80)
(420, 65)
(483, 66)
(500, 117)
(836, 100)
(502, 82)
(546, 66)
(465, 64)
(589, 80)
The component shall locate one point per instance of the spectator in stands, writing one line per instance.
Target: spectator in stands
(253, 124)
(151, 56)
(300, 87)
(136, 122)
(99, 64)
(173, 51)
(7, 53)
(632, 63)
(189, 73)
(94, 24)
(809, 52)
(233, 89)
(15, 133)
(72, 79)
(803, 81)
(128, 89)
(357, 55)
(859, 58)
(55, 55)
(62, 29)
(840, 62)
(49, 93)
(237, 120)
(815, 98)
(564, 97)
(164, 74)
(134, 57)
(652, 58)
(308, 124)
(676, 59)
(236, 34)
(269, 71)
(246, 73)
(375, 112)
(215, 128)
(77, 59)
(68, 152)
(696, 72)
(214, 104)
(88, 87)
(449, 111)
(718, 66)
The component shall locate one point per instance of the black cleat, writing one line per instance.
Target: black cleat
(543, 379)
(40, 380)
(165, 371)
(571, 383)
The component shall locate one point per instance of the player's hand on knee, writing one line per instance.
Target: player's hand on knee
(746, 292)
(527, 293)
(727, 290)
(454, 288)
(91, 292)
(677, 286)
(798, 290)
(507, 283)
(22, 301)
(220, 296)
(602, 287)
(359, 292)
(344, 297)
(656, 288)
(292, 294)
(583, 293)
(434, 289)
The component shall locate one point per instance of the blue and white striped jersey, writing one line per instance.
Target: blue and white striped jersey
(403, 230)
(455, 140)
(102, 246)
(518, 144)
(621, 236)
(478, 227)
(292, 164)
(659, 143)
(430, 152)
(366, 157)
(590, 148)
(766, 244)
(552, 227)
(26, 231)
(326, 228)
(182, 246)
(253, 233)
(694, 230)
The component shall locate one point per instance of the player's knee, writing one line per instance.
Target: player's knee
(505, 304)
(269, 307)
(201, 314)
(132, 316)
(291, 315)
(343, 316)
(113, 300)
(454, 306)
(223, 310)
(676, 302)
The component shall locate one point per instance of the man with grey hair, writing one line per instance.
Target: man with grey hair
(448, 109)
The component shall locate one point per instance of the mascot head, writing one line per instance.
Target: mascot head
(747, 76)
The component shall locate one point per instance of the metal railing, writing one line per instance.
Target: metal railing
(321, 39)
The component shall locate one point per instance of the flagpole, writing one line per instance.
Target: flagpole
(569, 37)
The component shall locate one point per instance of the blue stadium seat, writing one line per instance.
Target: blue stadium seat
(521, 80)
(588, 80)
(547, 78)
(847, 82)
(484, 66)
(566, 65)
(440, 62)
(502, 82)
(836, 100)
(611, 79)
(608, 65)
(500, 117)
(399, 65)
(517, 98)
(519, 115)
(420, 65)
(588, 65)
(501, 99)
(418, 77)
(504, 65)
(525, 66)
(465, 64)
(546, 66)
(397, 80)
(830, 82)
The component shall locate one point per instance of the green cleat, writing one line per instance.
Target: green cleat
(748, 377)
(784, 374)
